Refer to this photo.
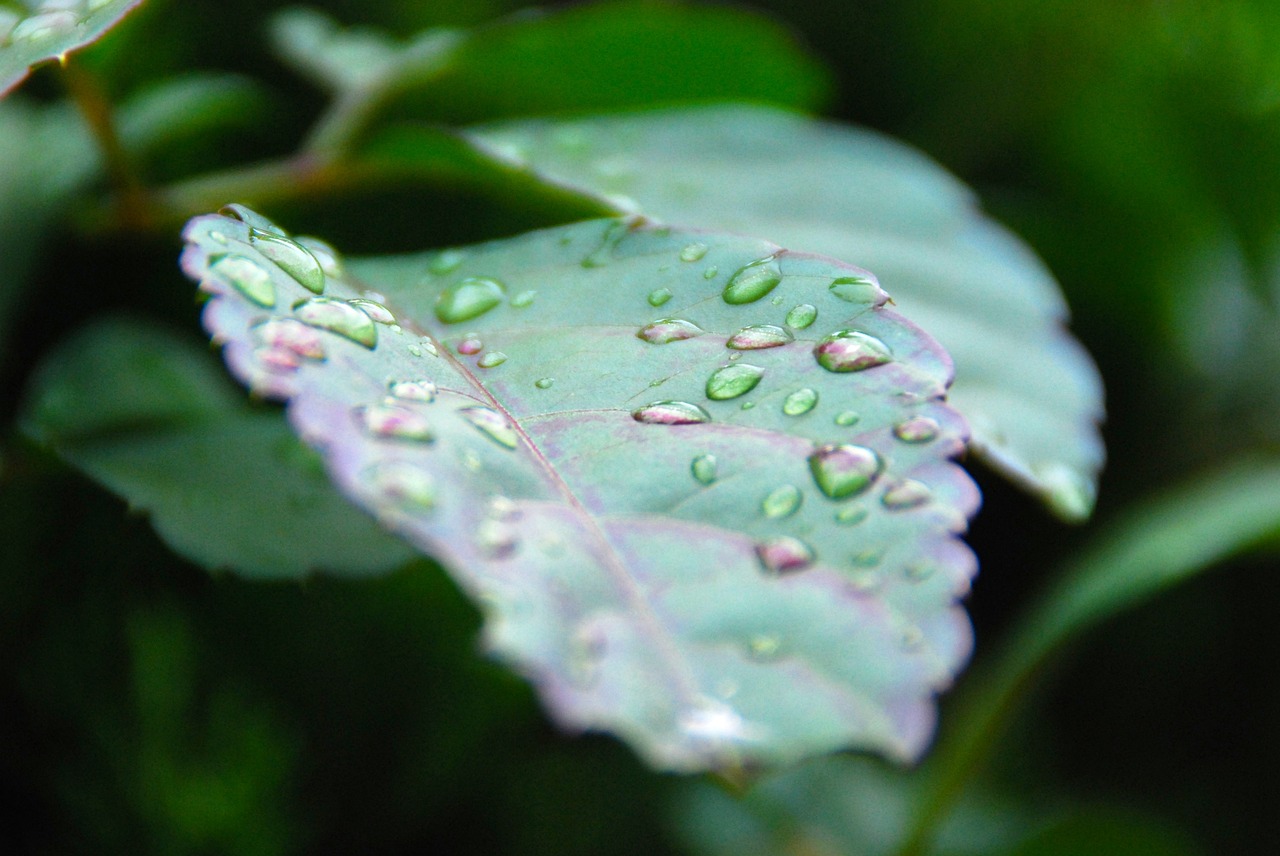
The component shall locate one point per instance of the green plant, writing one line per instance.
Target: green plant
(699, 487)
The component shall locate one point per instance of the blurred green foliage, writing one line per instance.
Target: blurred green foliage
(147, 707)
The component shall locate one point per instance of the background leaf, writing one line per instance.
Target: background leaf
(50, 30)
(754, 562)
(1032, 396)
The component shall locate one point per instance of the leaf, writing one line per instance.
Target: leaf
(149, 416)
(1032, 396)
(771, 574)
(51, 30)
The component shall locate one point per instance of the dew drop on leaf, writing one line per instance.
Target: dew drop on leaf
(666, 330)
(252, 219)
(496, 539)
(753, 281)
(523, 299)
(851, 351)
(801, 316)
(693, 252)
(918, 572)
(339, 317)
(659, 296)
(491, 359)
(291, 335)
(845, 418)
(544, 382)
(329, 258)
(469, 298)
(403, 483)
(671, 413)
(855, 289)
(757, 337)
(375, 310)
(247, 277)
(800, 402)
(784, 555)
(218, 238)
(703, 468)
(446, 262)
(920, 429)
(470, 346)
(851, 515)
(39, 28)
(492, 424)
(290, 257)
(764, 647)
(842, 470)
(732, 381)
(711, 272)
(908, 493)
(414, 390)
(396, 423)
(782, 501)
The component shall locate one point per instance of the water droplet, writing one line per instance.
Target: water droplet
(747, 405)
(912, 638)
(472, 461)
(715, 723)
(403, 483)
(667, 330)
(613, 234)
(470, 345)
(782, 501)
(753, 281)
(544, 382)
(659, 296)
(247, 277)
(757, 337)
(846, 418)
(497, 540)
(919, 429)
(784, 555)
(39, 28)
(671, 413)
(329, 258)
(339, 317)
(855, 289)
(865, 582)
(493, 425)
(801, 316)
(844, 470)
(446, 262)
(523, 299)
(800, 402)
(851, 515)
(851, 351)
(693, 252)
(392, 422)
(375, 310)
(280, 360)
(469, 298)
(732, 381)
(908, 493)
(414, 390)
(764, 647)
(704, 469)
(292, 336)
(504, 508)
(918, 572)
(252, 219)
(290, 257)
(869, 558)
(491, 359)
(711, 272)
(217, 237)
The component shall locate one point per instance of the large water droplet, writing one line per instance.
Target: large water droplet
(491, 359)
(667, 330)
(907, 493)
(855, 289)
(753, 281)
(704, 468)
(851, 351)
(732, 381)
(800, 402)
(329, 259)
(470, 345)
(252, 219)
(757, 337)
(493, 425)
(693, 252)
(844, 470)
(290, 257)
(375, 310)
(671, 413)
(659, 296)
(469, 298)
(293, 336)
(919, 429)
(414, 390)
(247, 277)
(782, 501)
(784, 555)
(801, 316)
(339, 317)
(398, 423)
(403, 483)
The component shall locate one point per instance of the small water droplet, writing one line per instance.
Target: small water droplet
(252, 219)
(784, 555)
(753, 281)
(846, 418)
(869, 558)
(470, 345)
(392, 422)
(732, 381)
(844, 470)
(703, 468)
(403, 483)
(918, 572)
(217, 237)
(764, 647)
(290, 257)
(497, 540)
(782, 501)
(329, 258)
(472, 461)
(908, 493)
(491, 359)
(693, 252)
(919, 429)
(757, 337)
(39, 28)
(801, 316)
(711, 272)
(446, 262)
(851, 515)
(292, 336)
(715, 723)
(247, 277)
(375, 310)
(800, 402)
(414, 350)
(671, 413)
(666, 330)
(659, 296)
(613, 234)
(493, 425)
(339, 317)
(851, 351)
(279, 360)
(414, 390)
(855, 289)
(912, 638)
(523, 299)
(429, 347)
(469, 298)
(544, 382)
(504, 508)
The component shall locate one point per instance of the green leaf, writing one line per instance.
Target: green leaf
(1032, 396)
(50, 30)
(150, 416)
(596, 429)
(1098, 830)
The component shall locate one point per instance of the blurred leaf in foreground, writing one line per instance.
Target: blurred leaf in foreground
(50, 29)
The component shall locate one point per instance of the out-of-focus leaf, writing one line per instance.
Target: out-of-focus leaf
(149, 416)
(50, 29)
(1031, 394)
(1096, 831)
(185, 107)
(699, 484)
